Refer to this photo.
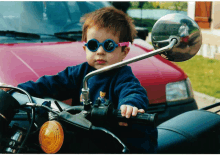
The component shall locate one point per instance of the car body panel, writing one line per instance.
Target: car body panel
(29, 61)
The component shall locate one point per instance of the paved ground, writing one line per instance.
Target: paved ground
(204, 100)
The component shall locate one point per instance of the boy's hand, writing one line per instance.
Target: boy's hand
(128, 111)
(5, 89)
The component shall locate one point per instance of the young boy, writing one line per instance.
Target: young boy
(106, 33)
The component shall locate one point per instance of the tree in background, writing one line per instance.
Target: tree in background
(136, 4)
(156, 5)
(170, 5)
(176, 5)
(122, 5)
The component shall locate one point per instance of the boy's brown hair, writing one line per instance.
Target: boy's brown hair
(116, 21)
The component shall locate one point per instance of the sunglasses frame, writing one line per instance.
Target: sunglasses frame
(102, 44)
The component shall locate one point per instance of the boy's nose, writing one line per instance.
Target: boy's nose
(100, 50)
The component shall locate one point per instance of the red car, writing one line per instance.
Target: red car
(43, 38)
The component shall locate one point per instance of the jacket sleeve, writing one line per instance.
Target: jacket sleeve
(58, 86)
(129, 90)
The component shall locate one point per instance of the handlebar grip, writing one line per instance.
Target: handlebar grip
(140, 118)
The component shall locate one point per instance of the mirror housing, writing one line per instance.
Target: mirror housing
(179, 27)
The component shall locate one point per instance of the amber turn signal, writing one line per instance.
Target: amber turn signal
(51, 137)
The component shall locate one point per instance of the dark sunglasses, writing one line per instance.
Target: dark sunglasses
(108, 45)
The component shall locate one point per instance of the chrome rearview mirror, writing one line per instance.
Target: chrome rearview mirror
(182, 28)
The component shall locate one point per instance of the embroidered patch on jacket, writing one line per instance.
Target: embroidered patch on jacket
(102, 97)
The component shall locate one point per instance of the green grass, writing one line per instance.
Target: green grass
(204, 74)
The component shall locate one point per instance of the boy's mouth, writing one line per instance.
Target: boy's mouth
(100, 61)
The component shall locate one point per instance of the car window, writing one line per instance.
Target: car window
(78, 8)
(9, 16)
(47, 17)
(56, 13)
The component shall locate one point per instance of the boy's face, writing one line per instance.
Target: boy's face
(101, 58)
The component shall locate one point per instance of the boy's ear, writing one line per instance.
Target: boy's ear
(126, 51)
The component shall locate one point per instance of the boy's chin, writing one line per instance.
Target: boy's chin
(100, 66)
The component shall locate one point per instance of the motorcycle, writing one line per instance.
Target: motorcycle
(35, 125)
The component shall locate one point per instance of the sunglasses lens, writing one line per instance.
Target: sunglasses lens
(109, 45)
(92, 45)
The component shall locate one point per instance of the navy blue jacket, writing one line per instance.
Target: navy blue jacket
(119, 85)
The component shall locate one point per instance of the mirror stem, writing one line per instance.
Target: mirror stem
(85, 89)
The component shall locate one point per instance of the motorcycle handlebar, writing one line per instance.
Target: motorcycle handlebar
(140, 118)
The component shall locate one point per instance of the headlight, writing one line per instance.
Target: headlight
(177, 91)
